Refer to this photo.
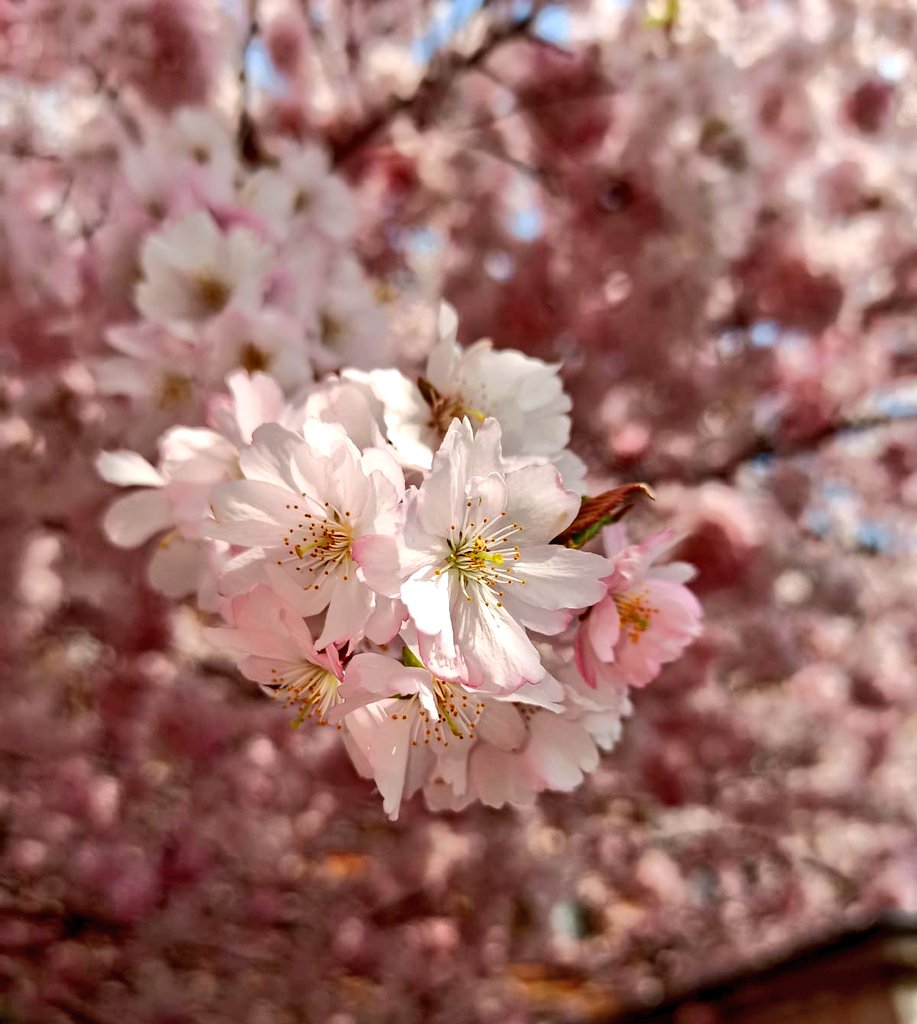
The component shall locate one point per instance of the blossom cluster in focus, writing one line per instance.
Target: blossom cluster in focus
(386, 551)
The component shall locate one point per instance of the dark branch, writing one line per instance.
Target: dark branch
(764, 447)
(248, 143)
(438, 78)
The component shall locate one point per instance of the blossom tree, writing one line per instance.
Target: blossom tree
(249, 253)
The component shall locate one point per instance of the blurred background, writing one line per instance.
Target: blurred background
(705, 209)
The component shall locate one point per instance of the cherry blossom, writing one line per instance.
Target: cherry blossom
(272, 646)
(647, 618)
(303, 504)
(192, 271)
(303, 193)
(170, 501)
(265, 341)
(154, 364)
(408, 729)
(525, 396)
(474, 531)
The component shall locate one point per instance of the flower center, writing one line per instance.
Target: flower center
(331, 329)
(635, 613)
(311, 687)
(482, 552)
(211, 292)
(447, 408)
(174, 389)
(457, 714)
(323, 547)
(253, 359)
(302, 201)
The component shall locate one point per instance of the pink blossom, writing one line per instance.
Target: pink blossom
(647, 618)
(272, 645)
(300, 509)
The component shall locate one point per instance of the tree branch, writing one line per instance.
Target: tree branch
(247, 137)
(437, 78)
(774, 447)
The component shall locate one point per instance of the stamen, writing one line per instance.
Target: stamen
(635, 613)
(456, 716)
(481, 552)
(308, 685)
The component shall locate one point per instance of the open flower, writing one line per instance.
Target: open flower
(265, 341)
(171, 500)
(253, 399)
(304, 502)
(152, 364)
(539, 746)
(476, 567)
(647, 618)
(405, 726)
(192, 271)
(193, 159)
(304, 193)
(523, 394)
(349, 326)
(272, 645)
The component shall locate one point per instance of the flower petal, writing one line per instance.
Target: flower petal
(557, 578)
(127, 469)
(538, 502)
(176, 566)
(133, 519)
(498, 655)
(382, 734)
(251, 513)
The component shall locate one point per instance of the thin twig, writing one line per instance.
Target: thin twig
(437, 77)
(247, 136)
(779, 448)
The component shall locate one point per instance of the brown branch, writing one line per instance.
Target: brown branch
(247, 141)
(113, 98)
(536, 173)
(774, 447)
(533, 107)
(438, 78)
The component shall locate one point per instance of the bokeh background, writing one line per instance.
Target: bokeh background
(706, 210)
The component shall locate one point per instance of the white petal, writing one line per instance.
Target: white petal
(383, 676)
(498, 655)
(378, 559)
(547, 693)
(385, 620)
(133, 519)
(603, 627)
(350, 606)
(176, 566)
(500, 777)
(127, 469)
(241, 572)
(382, 734)
(538, 502)
(251, 513)
(557, 577)
(428, 599)
(560, 751)
(269, 458)
(502, 725)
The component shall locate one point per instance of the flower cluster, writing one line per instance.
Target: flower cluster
(385, 550)
(237, 268)
(436, 624)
